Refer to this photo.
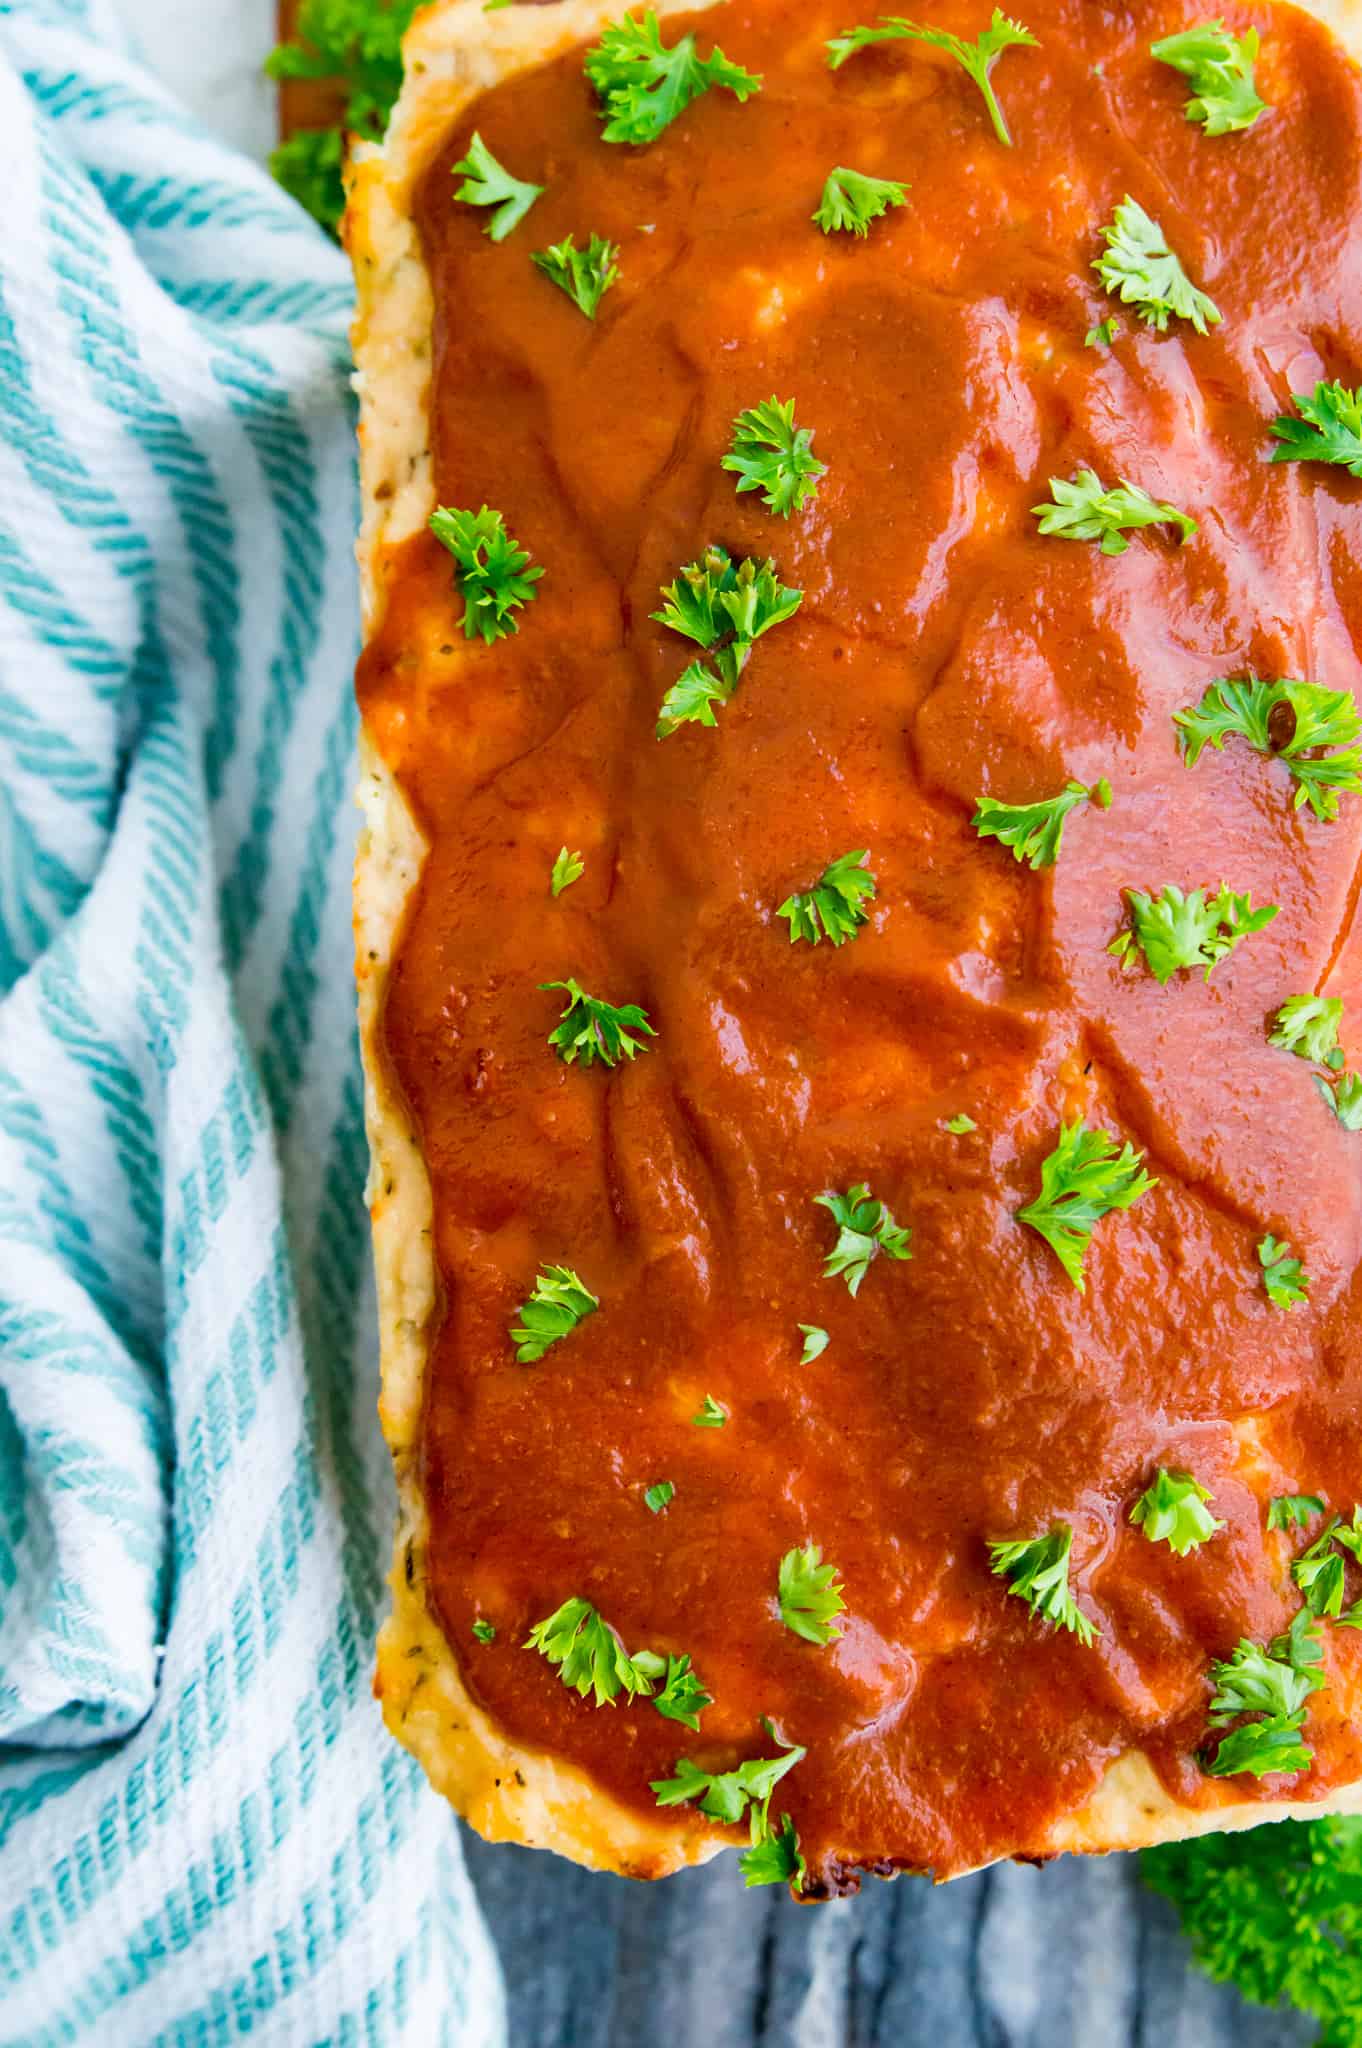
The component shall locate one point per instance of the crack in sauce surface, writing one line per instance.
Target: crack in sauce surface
(943, 650)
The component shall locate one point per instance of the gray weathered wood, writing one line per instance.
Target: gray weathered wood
(1078, 1955)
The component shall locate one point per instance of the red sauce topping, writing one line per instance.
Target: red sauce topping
(943, 649)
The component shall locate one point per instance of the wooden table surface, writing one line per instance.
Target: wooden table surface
(1078, 1955)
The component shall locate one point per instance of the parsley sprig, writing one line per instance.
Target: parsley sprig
(976, 59)
(1316, 718)
(494, 574)
(1344, 1098)
(1277, 1912)
(1142, 271)
(1284, 1277)
(1035, 832)
(1084, 510)
(772, 455)
(1272, 1685)
(488, 183)
(642, 85)
(835, 906)
(852, 200)
(559, 1301)
(1175, 929)
(726, 1795)
(1293, 1510)
(357, 46)
(1173, 1510)
(683, 1697)
(815, 1342)
(584, 274)
(1329, 428)
(567, 869)
(1037, 1571)
(1085, 1178)
(1319, 1570)
(725, 608)
(810, 1595)
(589, 1656)
(1308, 1026)
(1219, 68)
(865, 1228)
(774, 1857)
(594, 1030)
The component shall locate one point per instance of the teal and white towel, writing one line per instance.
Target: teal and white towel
(204, 1832)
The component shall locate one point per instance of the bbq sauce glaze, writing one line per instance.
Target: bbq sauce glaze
(944, 649)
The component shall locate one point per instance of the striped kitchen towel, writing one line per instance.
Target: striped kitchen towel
(204, 1833)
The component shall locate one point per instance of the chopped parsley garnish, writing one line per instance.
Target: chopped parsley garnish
(1104, 334)
(485, 1631)
(725, 609)
(567, 869)
(683, 1697)
(959, 1125)
(691, 699)
(642, 85)
(593, 1030)
(488, 183)
(1278, 1680)
(852, 199)
(1285, 1279)
(1329, 428)
(774, 1857)
(726, 1795)
(1084, 1179)
(1173, 1511)
(833, 908)
(1344, 1097)
(659, 1496)
(1037, 1571)
(1259, 1747)
(559, 1302)
(584, 274)
(810, 1595)
(494, 573)
(815, 1342)
(591, 1659)
(1309, 1027)
(977, 59)
(1293, 1510)
(1035, 832)
(1219, 68)
(589, 1655)
(1316, 718)
(1083, 510)
(865, 1228)
(1319, 1573)
(1174, 930)
(1273, 1685)
(1142, 271)
(711, 1414)
(771, 454)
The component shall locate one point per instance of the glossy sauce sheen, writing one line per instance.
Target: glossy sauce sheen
(944, 649)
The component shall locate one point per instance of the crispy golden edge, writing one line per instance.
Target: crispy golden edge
(506, 1791)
